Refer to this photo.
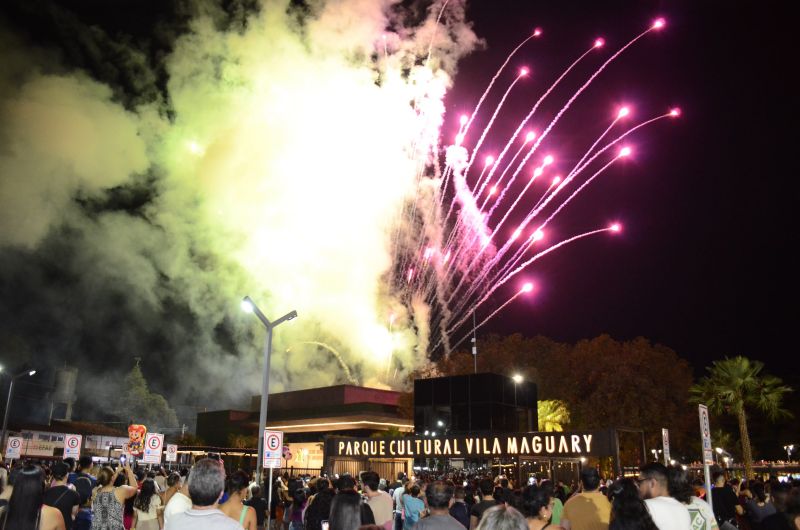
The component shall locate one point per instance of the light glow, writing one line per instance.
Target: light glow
(624, 111)
(659, 23)
(625, 151)
(599, 42)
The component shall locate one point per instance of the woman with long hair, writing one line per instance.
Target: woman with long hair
(107, 505)
(537, 506)
(236, 487)
(146, 514)
(628, 510)
(348, 512)
(26, 509)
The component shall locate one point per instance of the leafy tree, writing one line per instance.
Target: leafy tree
(553, 415)
(139, 405)
(734, 385)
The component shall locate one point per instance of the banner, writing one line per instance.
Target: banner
(72, 446)
(665, 444)
(14, 448)
(153, 446)
(273, 448)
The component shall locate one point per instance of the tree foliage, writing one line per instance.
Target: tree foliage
(137, 404)
(553, 415)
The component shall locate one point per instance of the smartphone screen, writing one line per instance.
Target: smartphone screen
(324, 525)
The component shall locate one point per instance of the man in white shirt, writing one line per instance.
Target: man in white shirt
(667, 513)
(379, 501)
(206, 484)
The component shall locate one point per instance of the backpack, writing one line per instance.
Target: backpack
(83, 485)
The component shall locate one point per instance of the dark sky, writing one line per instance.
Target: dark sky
(703, 265)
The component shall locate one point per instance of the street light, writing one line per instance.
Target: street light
(789, 448)
(8, 403)
(249, 306)
(655, 452)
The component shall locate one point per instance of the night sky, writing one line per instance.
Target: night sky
(703, 265)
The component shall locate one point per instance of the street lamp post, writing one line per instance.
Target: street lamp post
(789, 448)
(655, 452)
(8, 404)
(250, 307)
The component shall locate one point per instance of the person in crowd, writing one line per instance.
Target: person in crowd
(84, 482)
(667, 513)
(173, 486)
(502, 517)
(259, 504)
(26, 509)
(780, 493)
(459, 509)
(320, 508)
(296, 509)
(161, 480)
(589, 509)
(397, 497)
(206, 485)
(558, 506)
(108, 501)
(537, 506)
(348, 512)
(178, 502)
(413, 507)
(724, 500)
(61, 496)
(628, 510)
(379, 501)
(759, 507)
(401, 479)
(486, 488)
(236, 488)
(439, 495)
(146, 506)
(700, 513)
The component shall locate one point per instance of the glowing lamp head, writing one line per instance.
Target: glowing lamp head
(537, 32)
(616, 227)
(517, 377)
(528, 287)
(659, 23)
(489, 160)
(463, 120)
(548, 160)
(538, 235)
(675, 112)
(247, 305)
(599, 42)
(530, 136)
(624, 111)
(523, 72)
(556, 181)
(625, 151)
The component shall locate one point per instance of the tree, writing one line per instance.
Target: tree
(735, 385)
(137, 404)
(553, 415)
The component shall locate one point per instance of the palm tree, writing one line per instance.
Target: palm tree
(553, 415)
(734, 385)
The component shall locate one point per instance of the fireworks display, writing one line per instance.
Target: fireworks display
(302, 157)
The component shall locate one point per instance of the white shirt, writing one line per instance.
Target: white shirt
(178, 503)
(702, 515)
(398, 497)
(668, 513)
(211, 519)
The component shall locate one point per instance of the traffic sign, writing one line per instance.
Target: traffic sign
(14, 448)
(705, 431)
(72, 446)
(273, 448)
(665, 444)
(172, 453)
(153, 446)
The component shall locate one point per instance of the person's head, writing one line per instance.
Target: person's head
(299, 497)
(628, 510)
(236, 483)
(459, 494)
(502, 517)
(346, 483)
(371, 481)
(173, 480)
(142, 501)
(71, 463)
(718, 478)
(206, 482)
(322, 484)
(486, 486)
(60, 470)
(537, 503)
(439, 494)
(414, 490)
(758, 491)
(590, 479)
(256, 491)
(653, 481)
(503, 483)
(780, 494)
(85, 463)
(678, 484)
(345, 511)
(105, 476)
(26, 499)
(401, 477)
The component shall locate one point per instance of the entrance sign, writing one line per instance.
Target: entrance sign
(172, 453)
(273, 448)
(72, 446)
(708, 455)
(153, 446)
(568, 445)
(665, 444)
(14, 448)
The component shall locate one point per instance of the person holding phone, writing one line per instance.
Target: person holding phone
(108, 501)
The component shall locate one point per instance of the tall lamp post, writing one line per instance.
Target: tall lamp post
(250, 307)
(8, 403)
(789, 448)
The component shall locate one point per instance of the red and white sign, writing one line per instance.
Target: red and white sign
(153, 446)
(172, 453)
(273, 448)
(14, 448)
(72, 446)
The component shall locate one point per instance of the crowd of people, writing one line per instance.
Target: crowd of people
(72, 495)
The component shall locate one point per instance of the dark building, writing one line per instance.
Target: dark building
(474, 403)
